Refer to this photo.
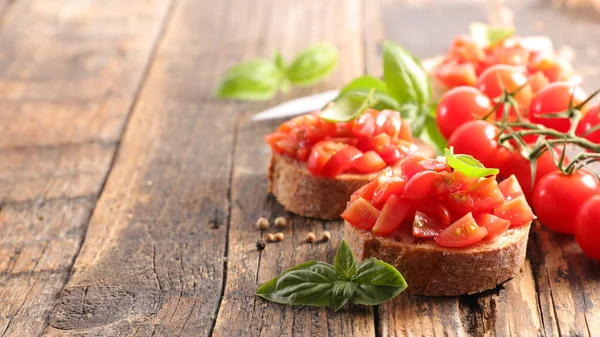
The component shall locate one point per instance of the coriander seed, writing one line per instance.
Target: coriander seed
(260, 245)
(280, 222)
(326, 236)
(262, 223)
(270, 238)
(311, 237)
(279, 236)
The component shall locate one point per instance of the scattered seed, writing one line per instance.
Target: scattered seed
(326, 236)
(260, 245)
(270, 238)
(279, 236)
(280, 222)
(262, 223)
(311, 237)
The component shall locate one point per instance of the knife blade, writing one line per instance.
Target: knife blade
(297, 106)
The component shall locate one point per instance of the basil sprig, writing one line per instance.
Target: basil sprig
(487, 35)
(468, 165)
(320, 284)
(261, 79)
(348, 107)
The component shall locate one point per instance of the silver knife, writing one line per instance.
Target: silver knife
(297, 106)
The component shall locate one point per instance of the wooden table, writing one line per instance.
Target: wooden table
(129, 194)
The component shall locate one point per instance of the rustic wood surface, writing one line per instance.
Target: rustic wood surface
(129, 194)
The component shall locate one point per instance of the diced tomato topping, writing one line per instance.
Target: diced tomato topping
(433, 207)
(361, 214)
(412, 165)
(425, 226)
(454, 74)
(340, 161)
(494, 225)
(516, 210)
(510, 187)
(387, 186)
(486, 194)
(461, 233)
(392, 215)
(320, 155)
(369, 162)
(419, 185)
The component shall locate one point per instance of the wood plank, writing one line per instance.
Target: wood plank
(65, 94)
(241, 312)
(153, 258)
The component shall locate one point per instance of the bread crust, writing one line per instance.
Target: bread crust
(433, 270)
(316, 197)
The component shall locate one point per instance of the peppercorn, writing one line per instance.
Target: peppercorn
(262, 223)
(260, 245)
(279, 236)
(326, 236)
(280, 222)
(270, 237)
(311, 237)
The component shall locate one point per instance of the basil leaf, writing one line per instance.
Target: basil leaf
(312, 64)
(256, 80)
(366, 83)
(377, 282)
(309, 283)
(431, 134)
(347, 107)
(345, 261)
(383, 101)
(342, 292)
(278, 60)
(487, 35)
(404, 75)
(468, 165)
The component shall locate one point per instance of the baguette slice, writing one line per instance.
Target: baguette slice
(317, 197)
(433, 270)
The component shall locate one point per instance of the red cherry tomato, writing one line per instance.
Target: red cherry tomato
(494, 225)
(459, 106)
(521, 168)
(552, 99)
(557, 198)
(369, 162)
(480, 140)
(516, 210)
(392, 214)
(587, 227)
(463, 232)
(590, 120)
(361, 214)
(498, 77)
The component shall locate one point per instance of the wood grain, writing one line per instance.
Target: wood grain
(65, 93)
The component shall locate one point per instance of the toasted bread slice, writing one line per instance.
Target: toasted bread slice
(430, 269)
(317, 197)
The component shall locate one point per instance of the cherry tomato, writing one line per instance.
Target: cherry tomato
(494, 225)
(521, 168)
(393, 213)
(557, 198)
(425, 226)
(463, 232)
(419, 185)
(552, 99)
(454, 74)
(498, 77)
(516, 210)
(537, 81)
(459, 106)
(369, 162)
(480, 140)
(590, 120)
(587, 227)
(361, 214)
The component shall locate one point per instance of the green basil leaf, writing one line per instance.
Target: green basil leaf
(256, 80)
(377, 282)
(348, 107)
(312, 64)
(383, 101)
(404, 75)
(366, 83)
(487, 35)
(278, 60)
(345, 262)
(431, 135)
(309, 283)
(468, 165)
(342, 292)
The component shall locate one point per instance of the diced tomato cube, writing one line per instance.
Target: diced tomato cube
(387, 186)
(361, 214)
(494, 225)
(510, 187)
(461, 233)
(486, 194)
(419, 186)
(369, 162)
(340, 161)
(516, 210)
(454, 74)
(425, 226)
(412, 165)
(392, 215)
